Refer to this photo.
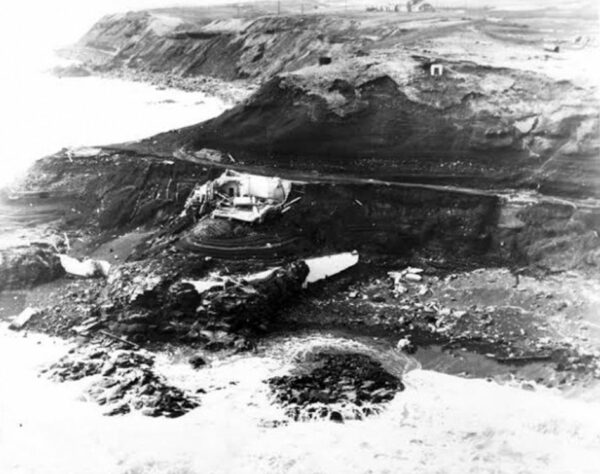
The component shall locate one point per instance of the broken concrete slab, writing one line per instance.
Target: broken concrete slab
(20, 321)
(87, 268)
(320, 268)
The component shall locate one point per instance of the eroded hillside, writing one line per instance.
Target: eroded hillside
(249, 46)
(474, 125)
(513, 106)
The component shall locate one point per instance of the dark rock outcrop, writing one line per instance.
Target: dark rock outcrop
(154, 308)
(26, 266)
(335, 385)
(108, 189)
(251, 307)
(127, 382)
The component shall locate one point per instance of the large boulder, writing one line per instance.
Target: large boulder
(29, 265)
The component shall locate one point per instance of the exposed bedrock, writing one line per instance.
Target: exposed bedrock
(393, 219)
(100, 195)
(555, 234)
(396, 219)
(154, 306)
(114, 191)
(109, 190)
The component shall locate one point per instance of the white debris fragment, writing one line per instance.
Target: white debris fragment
(210, 155)
(219, 281)
(87, 268)
(83, 152)
(410, 274)
(413, 270)
(320, 268)
(202, 286)
(413, 277)
(402, 343)
(23, 318)
(254, 277)
(396, 276)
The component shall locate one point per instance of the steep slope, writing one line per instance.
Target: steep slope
(229, 49)
(240, 43)
(393, 120)
(505, 111)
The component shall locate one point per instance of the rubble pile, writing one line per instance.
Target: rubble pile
(78, 364)
(229, 92)
(475, 312)
(404, 277)
(412, 306)
(252, 305)
(161, 300)
(126, 382)
(74, 308)
(149, 306)
(335, 385)
(139, 283)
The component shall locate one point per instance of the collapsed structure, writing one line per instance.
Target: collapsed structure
(241, 196)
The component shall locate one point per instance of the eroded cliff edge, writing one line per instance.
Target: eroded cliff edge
(476, 126)
(504, 112)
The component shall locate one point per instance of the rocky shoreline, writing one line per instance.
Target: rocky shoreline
(127, 382)
(420, 284)
(229, 92)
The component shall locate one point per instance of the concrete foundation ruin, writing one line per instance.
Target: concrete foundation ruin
(241, 196)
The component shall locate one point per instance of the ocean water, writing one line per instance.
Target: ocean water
(39, 113)
(439, 424)
(42, 113)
